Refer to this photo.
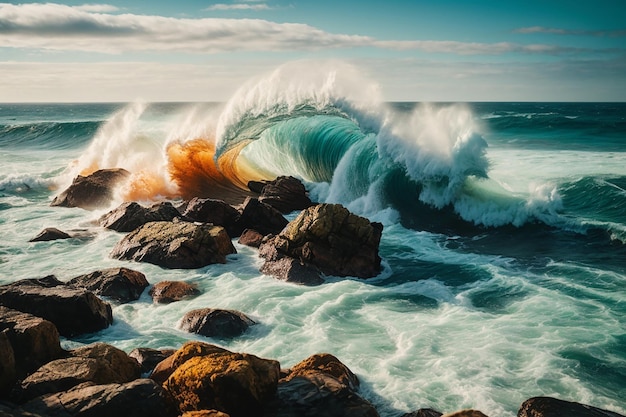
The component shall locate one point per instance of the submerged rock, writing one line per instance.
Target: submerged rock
(166, 292)
(72, 310)
(130, 215)
(215, 322)
(330, 238)
(120, 284)
(50, 233)
(552, 407)
(175, 245)
(93, 191)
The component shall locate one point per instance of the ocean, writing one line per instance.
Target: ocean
(504, 241)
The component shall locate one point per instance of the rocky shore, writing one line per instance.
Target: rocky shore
(40, 378)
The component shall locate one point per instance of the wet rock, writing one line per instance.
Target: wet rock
(289, 269)
(138, 398)
(93, 191)
(261, 217)
(165, 292)
(148, 358)
(189, 350)
(320, 386)
(285, 194)
(130, 215)
(552, 407)
(175, 245)
(332, 239)
(8, 372)
(217, 212)
(50, 233)
(465, 413)
(72, 310)
(423, 412)
(238, 384)
(120, 284)
(205, 413)
(251, 238)
(120, 363)
(32, 340)
(216, 323)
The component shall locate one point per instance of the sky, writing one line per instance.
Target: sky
(413, 50)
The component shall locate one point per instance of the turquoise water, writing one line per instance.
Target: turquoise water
(503, 246)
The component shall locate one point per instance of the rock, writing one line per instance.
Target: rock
(552, 407)
(238, 384)
(120, 284)
(326, 364)
(423, 412)
(251, 238)
(217, 212)
(33, 340)
(72, 310)
(92, 191)
(288, 269)
(50, 233)
(121, 364)
(189, 350)
(8, 372)
(204, 413)
(261, 217)
(465, 413)
(175, 245)
(139, 398)
(332, 239)
(285, 194)
(149, 358)
(130, 215)
(216, 323)
(320, 386)
(165, 292)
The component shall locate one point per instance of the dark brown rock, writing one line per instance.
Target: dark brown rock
(235, 383)
(204, 413)
(120, 284)
(165, 292)
(332, 239)
(251, 238)
(148, 358)
(8, 371)
(327, 364)
(33, 340)
(552, 407)
(50, 233)
(122, 365)
(139, 398)
(130, 215)
(261, 217)
(216, 323)
(291, 270)
(175, 245)
(189, 350)
(92, 191)
(217, 212)
(423, 412)
(466, 413)
(285, 194)
(72, 310)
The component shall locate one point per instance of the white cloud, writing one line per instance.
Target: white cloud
(59, 27)
(239, 6)
(97, 8)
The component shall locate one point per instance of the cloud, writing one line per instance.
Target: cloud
(239, 6)
(97, 8)
(558, 31)
(92, 28)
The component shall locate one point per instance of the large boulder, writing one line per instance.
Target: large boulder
(259, 216)
(32, 340)
(212, 322)
(217, 212)
(238, 384)
(138, 398)
(175, 244)
(320, 386)
(553, 407)
(92, 191)
(332, 239)
(189, 350)
(148, 358)
(119, 284)
(166, 292)
(72, 310)
(130, 215)
(8, 372)
(285, 194)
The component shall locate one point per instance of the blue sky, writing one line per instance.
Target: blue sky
(189, 50)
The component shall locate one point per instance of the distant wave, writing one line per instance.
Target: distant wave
(47, 135)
